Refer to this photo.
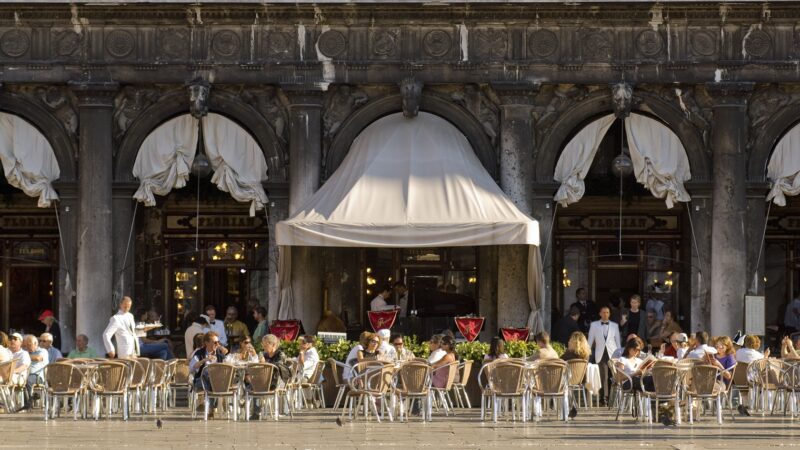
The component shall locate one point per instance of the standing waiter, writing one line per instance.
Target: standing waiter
(604, 339)
(122, 326)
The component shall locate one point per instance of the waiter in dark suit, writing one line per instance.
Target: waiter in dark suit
(567, 325)
(587, 308)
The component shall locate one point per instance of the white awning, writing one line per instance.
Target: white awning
(28, 160)
(409, 183)
(783, 170)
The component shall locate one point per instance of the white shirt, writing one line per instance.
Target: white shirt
(603, 337)
(5, 354)
(351, 360)
(379, 304)
(436, 355)
(700, 352)
(748, 355)
(387, 351)
(122, 326)
(655, 306)
(218, 326)
(630, 365)
(22, 358)
(310, 360)
(188, 336)
(37, 366)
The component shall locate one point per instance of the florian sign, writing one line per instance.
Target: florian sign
(29, 224)
(225, 223)
(611, 223)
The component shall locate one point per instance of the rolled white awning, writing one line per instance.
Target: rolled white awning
(783, 169)
(28, 160)
(659, 159)
(165, 159)
(410, 183)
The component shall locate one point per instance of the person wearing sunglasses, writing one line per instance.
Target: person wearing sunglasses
(210, 352)
(400, 351)
(370, 343)
(246, 354)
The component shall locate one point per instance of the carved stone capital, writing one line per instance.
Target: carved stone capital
(411, 93)
(95, 94)
(621, 99)
(516, 92)
(730, 93)
(199, 93)
(304, 95)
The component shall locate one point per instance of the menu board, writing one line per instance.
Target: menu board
(754, 315)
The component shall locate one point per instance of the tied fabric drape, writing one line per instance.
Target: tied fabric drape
(285, 293)
(576, 159)
(28, 160)
(535, 289)
(783, 169)
(659, 159)
(238, 162)
(165, 158)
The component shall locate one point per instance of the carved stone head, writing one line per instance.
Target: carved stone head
(199, 91)
(621, 99)
(411, 92)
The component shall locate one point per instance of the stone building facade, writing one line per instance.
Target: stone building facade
(518, 79)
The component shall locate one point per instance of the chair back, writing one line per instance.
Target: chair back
(740, 375)
(704, 380)
(260, 376)
(146, 363)
(577, 371)
(220, 377)
(6, 370)
(158, 372)
(110, 377)
(139, 372)
(62, 378)
(316, 377)
(506, 378)
(336, 374)
(374, 380)
(665, 380)
(180, 373)
(550, 376)
(466, 369)
(414, 378)
(452, 371)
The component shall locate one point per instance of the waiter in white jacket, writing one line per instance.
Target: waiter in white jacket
(604, 339)
(123, 327)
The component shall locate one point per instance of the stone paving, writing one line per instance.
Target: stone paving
(318, 430)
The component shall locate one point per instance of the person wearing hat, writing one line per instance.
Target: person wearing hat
(51, 326)
(22, 359)
(122, 327)
(386, 350)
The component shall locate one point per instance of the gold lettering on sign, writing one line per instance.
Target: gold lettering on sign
(609, 223)
(232, 222)
(596, 223)
(27, 222)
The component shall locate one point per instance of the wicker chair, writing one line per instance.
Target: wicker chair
(766, 378)
(140, 371)
(791, 385)
(6, 385)
(666, 380)
(705, 385)
(504, 380)
(740, 384)
(372, 381)
(261, 377)
(221, 386)
(550, 379)
(460, 385)
(577, 378)
(314, 387)
(61, 380)
(110, 379)
(180, 379)
(157, 385)
(413, 382)
(338, 369)
(441, 392)
(625, 397)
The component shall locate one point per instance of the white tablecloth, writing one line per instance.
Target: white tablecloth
(593, 381)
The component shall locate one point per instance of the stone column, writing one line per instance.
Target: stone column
(68, 219)
(728, 238)
(516, 170)
(305, 166)
(124, 274)
(95, 268)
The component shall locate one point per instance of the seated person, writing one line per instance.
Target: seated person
(352, 357)
(210, 352)
(749, 352)
(199, 326)
(618, 352)
(274, 355)
(701, 346)
(5, 353)
(308, 357)
(436, 353)
(545, 350)
(788, 348)
(82, 349)
(497, 350)
(401, 353)
(39, 360)
(152, 348)
(723, 358)
(577, 347)
(246, 354)
(370, 348)
(22, 359)
(46, 342)
(677, 348)
(633, 366)
(441, 372)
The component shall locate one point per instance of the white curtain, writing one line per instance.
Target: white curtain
(285, 293)
(535, 289)
(659, 159)
(783, 169)
(165, 158)
(576, 159)
(238, 162)
(28, 160)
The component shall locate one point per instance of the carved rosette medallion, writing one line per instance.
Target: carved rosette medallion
(14, 43)
(703, 43)
(174, 43)
(226, 43)
(596, 46)
(278, 43)
(649, 43)
(384, 43)
(332, 43)
(120, 43)
(65, 42)
(437, 43)
(757, 43)
(491, 44)
(542, 43)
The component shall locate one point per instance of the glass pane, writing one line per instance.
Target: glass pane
(463, 258)
(574, 272)
(659, 256)
(226, 251)
(608, 251)
(422, 255)
(775, 282)
(461, 282)
(378, 271)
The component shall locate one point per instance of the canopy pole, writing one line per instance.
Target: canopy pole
(754, 287)
(694, 239)
(550, 233)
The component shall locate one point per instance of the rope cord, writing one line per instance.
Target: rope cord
(694, 239)
(754, 287)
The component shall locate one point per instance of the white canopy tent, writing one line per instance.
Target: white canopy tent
(783, 169)
(165, 159)
(28, 160)
(410, 183)
(659, 159)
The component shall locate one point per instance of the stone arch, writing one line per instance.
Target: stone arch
(176, 103)
(774, 130)
(600, 103)
(372, 111)
(49, 126)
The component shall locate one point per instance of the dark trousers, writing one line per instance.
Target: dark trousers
(605, 375)
(203, 383)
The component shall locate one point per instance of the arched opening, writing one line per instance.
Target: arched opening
(615, 238)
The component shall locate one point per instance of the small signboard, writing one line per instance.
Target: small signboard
(754, 315)
(330, 337)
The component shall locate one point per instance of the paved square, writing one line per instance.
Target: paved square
(318, 430)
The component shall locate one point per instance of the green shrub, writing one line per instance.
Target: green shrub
(419, 349)
(472, 351)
